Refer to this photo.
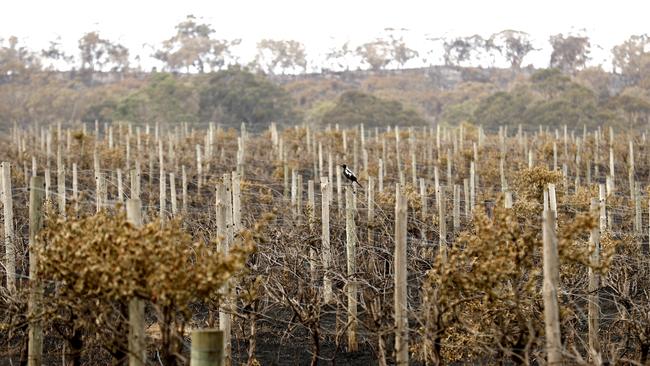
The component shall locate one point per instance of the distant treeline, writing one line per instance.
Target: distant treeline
(202, 81)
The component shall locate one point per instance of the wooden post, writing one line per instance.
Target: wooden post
(207, 348)
(311, 204)
(199, 167)
(294, 187)
(172, 193)
(35, 328)
(330, 174)
(120, 186)
(424, 208)
(228, 301)
(508, 199)
(594, 284)
(339, 189)
(552, 200)
(472, 186)
(400, 266)
(456, 208)
(100, 188)
(414, 174)
(60, 182)
(236, 202)
(351, 249)
(8, 211)
(137, 344)
(466, 196)
(502, 173)
(299, 186)
(611, 165)
(442, 223)
(184, 188)
(380, 176)
(135, 184)
(223, 205)
(371, 210)
(602, 197)
(550, 290)
(163, 194)
(75, 187)
(48, 184)
(325, 238)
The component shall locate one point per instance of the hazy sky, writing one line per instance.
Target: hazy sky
(320, 24)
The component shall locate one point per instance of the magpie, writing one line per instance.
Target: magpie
(349, 175)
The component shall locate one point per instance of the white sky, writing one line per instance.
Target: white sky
(321, 24)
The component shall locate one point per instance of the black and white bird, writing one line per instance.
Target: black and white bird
(347, 173)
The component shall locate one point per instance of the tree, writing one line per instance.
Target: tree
(632, 57)
(165, 98)
(570, 53)
(597, 79)
(503, 108)
(400, 51)
(354, 107)
(634, 104)
(576, 106)
(550, 82)
(193, 47)
(515, 44)
(16, 61)
(339, 57)
(236, 95)
(459, 50)
(283, 56)
(96, 53)
(56, 55)
(377, 53)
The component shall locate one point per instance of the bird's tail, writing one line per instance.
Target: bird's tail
(357, 182)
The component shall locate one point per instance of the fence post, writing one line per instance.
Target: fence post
(163, 191)
(236, 202)
(472, 186)
(75, 188)
(8, 208)
(184, 189)
(442, 222)
(456, 208)
(594, 283)
(550, 288)
(371, 215)
(380, 175)
(224, 230)
(172, 193)
(401, 317)
(60, 182)
(48, 184)
(100, 185)
(137, 345)
(508, 199)
(207, 348)
(325, 238)
(424, 208)
(299, 197)
(311, 204)
(35, 328)
(351, 249)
